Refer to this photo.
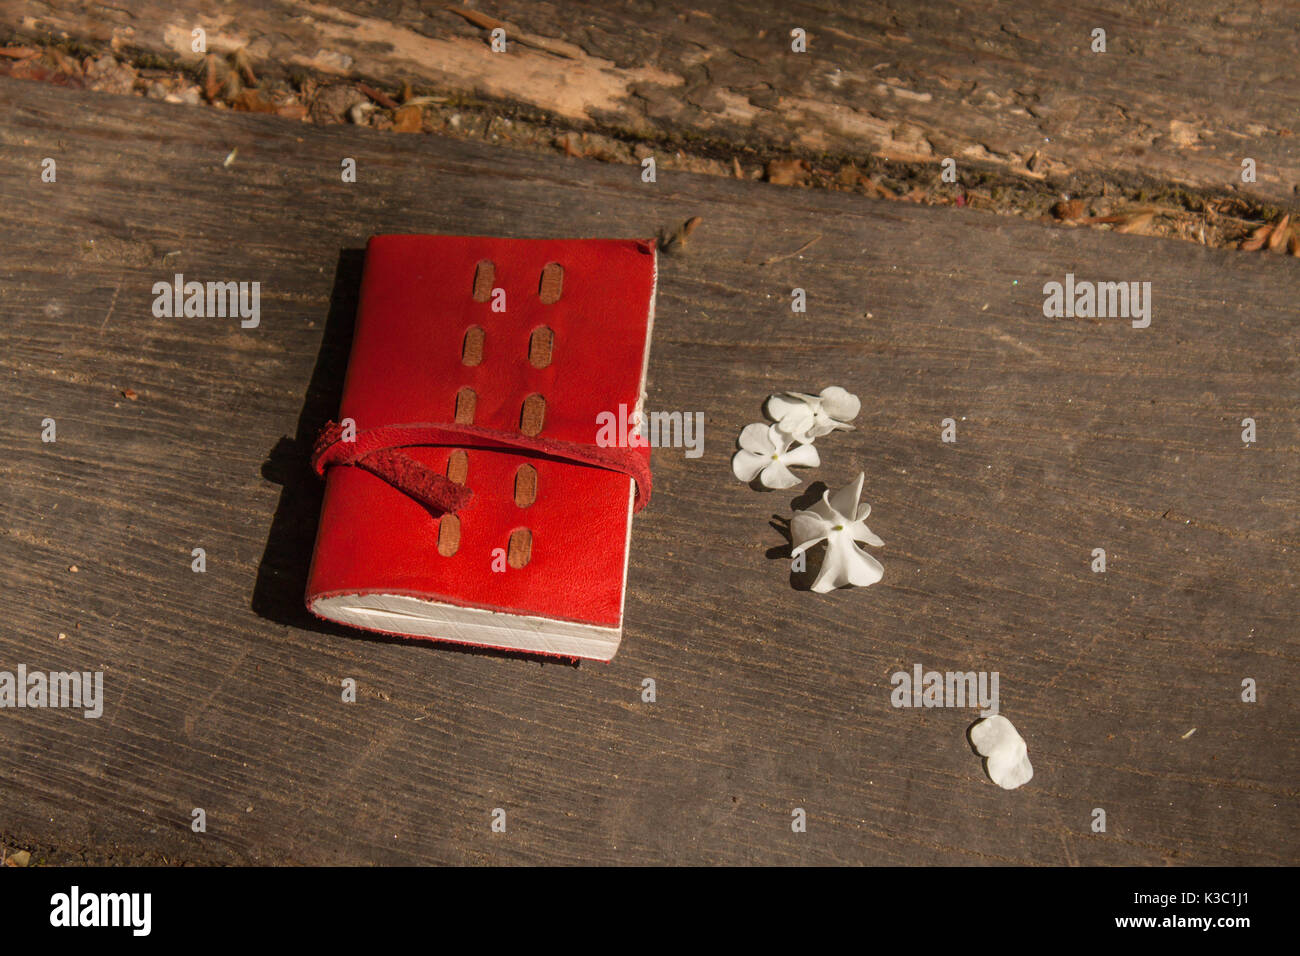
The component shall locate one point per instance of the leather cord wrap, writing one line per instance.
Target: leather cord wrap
(379, 451)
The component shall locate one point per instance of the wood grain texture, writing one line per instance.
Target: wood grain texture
(1182, 94)
(1072, 434)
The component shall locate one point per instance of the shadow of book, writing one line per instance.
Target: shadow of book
(281, 586)
(282, 574)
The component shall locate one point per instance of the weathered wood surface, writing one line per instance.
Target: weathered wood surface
(1182, 94)
(1072, 434)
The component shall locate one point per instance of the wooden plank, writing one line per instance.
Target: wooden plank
(1180, 97)
(1072, 434)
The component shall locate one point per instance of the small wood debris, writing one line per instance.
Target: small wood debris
(481, 20)
(675, 243)
(243, 64)
(562, 48)
(1068, 209)
(106, 74)
(567, 143)
(379, 96)
(1279, 235)
(408, 119)
(213, 77)
(332, 103)
(790, 255)
(788, 172)
(131, 394)
(1135, 221)
(251, 101)
(1274, 237)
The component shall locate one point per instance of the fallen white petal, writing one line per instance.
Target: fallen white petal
(745, 465)
(840, 404)
(805, 455)
(779, 406)
(800, 425)
(777, 475)
(844, 503)
(1004, 750)
(846, 563)
(757, 438)
(861, 532)
(807, 528)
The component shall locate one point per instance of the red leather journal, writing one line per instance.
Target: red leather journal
(467, 498)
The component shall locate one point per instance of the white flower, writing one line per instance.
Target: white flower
(765, 454)
(805, 417)
(1004, 750)
(838, 520)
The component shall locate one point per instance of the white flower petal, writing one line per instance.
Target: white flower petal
(806, 529)
(1010, 771)
(840, 404)
(776, 475)
(799, 428)
(745, 465)
(779, 439)
(860, 532)
(825, 582)
(846, 563)
(834, 571)
(845, 501)
(861, 569)
(819, 426)
(805, 455)
(757, 438)
(822, 507)
(1004, 750)
(779, 406)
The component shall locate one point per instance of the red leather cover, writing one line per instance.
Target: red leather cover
(416, 305)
